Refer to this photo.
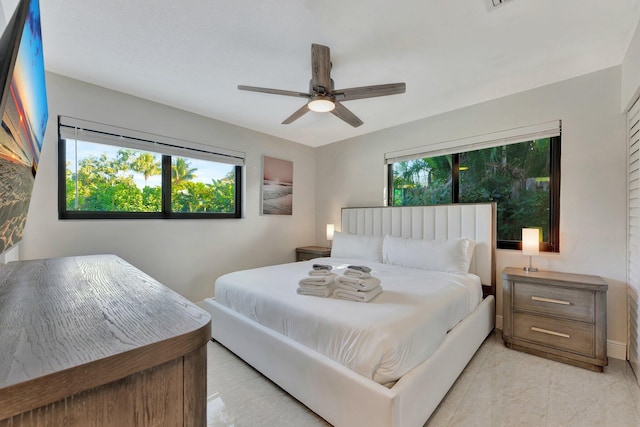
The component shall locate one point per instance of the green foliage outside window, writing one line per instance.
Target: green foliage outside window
(423, 181)
(515, 176)
(106, 184)
(219, 196)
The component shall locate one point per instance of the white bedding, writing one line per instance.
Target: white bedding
(382, 339)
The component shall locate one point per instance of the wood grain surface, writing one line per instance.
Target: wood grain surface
(561, 316)
(70, 325)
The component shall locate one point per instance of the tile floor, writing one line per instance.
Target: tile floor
(499, 387)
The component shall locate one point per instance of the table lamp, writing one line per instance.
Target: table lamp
(330, 229)
(530, 245)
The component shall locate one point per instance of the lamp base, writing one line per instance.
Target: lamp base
(531, 268)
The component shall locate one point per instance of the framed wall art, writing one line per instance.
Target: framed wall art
(277, 186)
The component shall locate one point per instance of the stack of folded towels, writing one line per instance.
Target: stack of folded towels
(357, 284)
(320, 283)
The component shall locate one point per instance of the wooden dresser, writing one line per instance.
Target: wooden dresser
(559, 316)
(93, 341)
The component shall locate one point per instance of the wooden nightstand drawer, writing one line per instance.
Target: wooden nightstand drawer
(560, 316)
(561, 302)
(306, 253)
(304, 256)
(568, 335)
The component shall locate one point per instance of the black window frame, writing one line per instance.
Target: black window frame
(553, 245)
(165, 212)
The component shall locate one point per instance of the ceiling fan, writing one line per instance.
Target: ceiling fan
(322, 97)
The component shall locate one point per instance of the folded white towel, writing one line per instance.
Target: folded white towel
(319, 292)
(318, 286)
(318, 280)
(353, 284)
(357, 296)
(314, 273)
(349, 272)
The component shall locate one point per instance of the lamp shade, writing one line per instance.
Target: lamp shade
(330, 230)
(530, 241)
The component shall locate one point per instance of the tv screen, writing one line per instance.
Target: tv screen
(24, 117)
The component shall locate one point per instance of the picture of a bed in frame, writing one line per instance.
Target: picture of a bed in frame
(385, 362)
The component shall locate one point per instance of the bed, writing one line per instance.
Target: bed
(334, 380)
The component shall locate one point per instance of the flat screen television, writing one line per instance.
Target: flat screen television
(23, 105)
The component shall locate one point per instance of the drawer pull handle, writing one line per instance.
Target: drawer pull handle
(552, 301)
(546, 331)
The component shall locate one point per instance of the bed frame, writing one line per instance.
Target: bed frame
(341, 396)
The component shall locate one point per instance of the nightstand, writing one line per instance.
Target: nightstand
(310, 252)
(559, 316)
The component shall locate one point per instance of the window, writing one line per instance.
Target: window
(116, 173)
(523, 178)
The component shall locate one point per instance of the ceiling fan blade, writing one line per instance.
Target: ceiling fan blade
(352, 93)
(320, 68)
(345, 114)
(274, 91)
(295, 116)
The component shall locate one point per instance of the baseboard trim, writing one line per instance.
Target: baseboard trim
(616, 350)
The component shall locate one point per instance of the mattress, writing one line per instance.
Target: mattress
(382, 339)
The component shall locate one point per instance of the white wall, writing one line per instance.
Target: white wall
(8, 7)
(631, 73)
(185, 255)
(3, 14)
(593, 183)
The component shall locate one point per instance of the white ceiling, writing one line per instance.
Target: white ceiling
(192, 54)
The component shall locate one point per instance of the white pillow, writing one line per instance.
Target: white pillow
(449, 256)
(347, 245)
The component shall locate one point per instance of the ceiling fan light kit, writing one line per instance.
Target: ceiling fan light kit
(322, 101)
(321, 104)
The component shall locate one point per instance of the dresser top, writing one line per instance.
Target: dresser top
(64, 320)
(554, 277)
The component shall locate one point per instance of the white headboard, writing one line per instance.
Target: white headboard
(474, 221)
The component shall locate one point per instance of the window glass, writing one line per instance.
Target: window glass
(516, 176)
(105, 181)
(202, 186)
(523, 179)
(103, 178)
(422, 181)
